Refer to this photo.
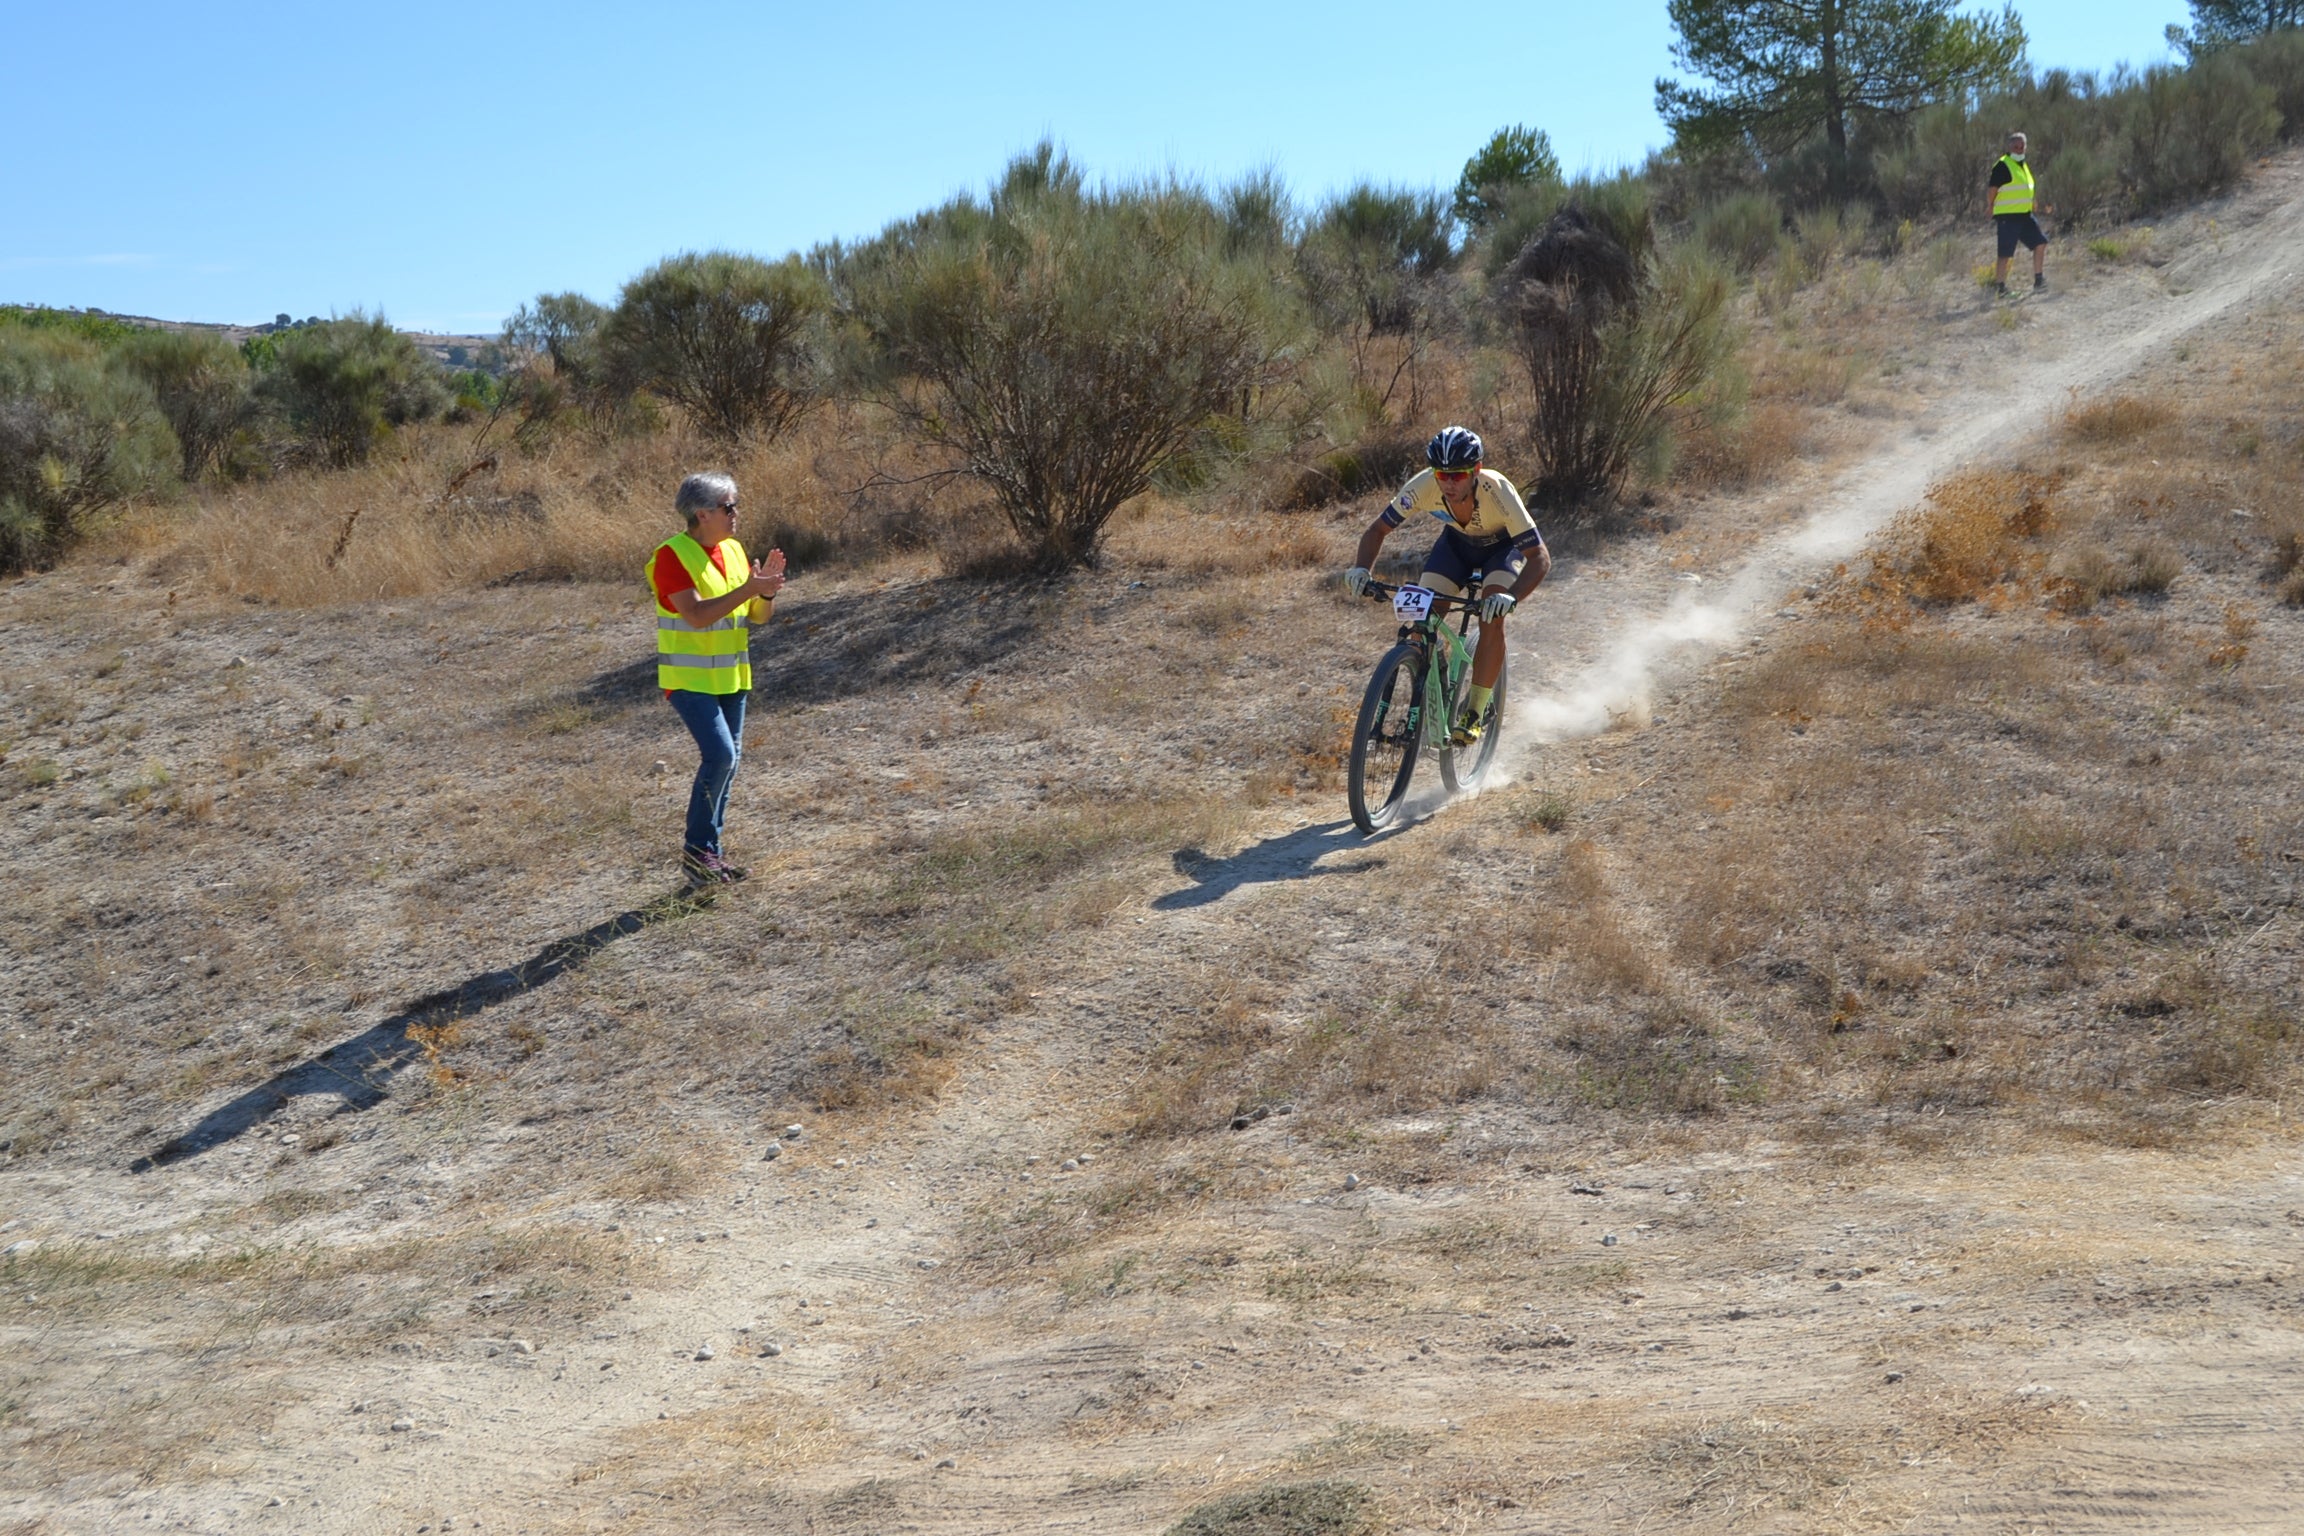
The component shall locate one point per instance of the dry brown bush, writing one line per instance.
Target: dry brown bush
(1734, 454)
(2121, 419)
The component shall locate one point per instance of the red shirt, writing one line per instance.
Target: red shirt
(671, 576)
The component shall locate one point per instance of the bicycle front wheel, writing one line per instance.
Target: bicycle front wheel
(1462, 769)
(1385, 740)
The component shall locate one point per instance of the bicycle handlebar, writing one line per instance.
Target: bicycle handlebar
(1383, 589)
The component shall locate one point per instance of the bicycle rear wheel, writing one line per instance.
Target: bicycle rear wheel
(1462, 771)
(1385, 739)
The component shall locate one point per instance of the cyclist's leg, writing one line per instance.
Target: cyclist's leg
(1503, 566)
(1450, 564)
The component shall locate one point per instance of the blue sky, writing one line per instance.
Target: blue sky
(447, 162)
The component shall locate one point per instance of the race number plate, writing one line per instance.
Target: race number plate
(1412, 603)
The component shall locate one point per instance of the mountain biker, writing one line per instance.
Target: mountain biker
(1484, 527)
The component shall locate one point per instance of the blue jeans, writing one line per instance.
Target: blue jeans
(716, 720)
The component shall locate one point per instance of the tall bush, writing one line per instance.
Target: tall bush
(78, 434)
(203, 386)
(1613, 336)
(1061, 345)
(723, 337)
(2189, 133)
(560, 366)
(341, 385)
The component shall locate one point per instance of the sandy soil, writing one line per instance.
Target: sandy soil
(1493, 1317)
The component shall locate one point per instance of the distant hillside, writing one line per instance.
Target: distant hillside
(450, 351)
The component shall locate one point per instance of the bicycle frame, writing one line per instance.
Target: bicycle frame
(1446, 664)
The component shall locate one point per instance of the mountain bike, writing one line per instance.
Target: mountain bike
(1411, 703)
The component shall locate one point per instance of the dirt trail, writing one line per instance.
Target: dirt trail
(2016, 1337)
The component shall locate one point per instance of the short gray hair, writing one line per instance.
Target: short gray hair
(2017, 137)
(701, 493)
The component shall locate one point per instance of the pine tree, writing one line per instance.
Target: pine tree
(2221, 23)
(1779, 71)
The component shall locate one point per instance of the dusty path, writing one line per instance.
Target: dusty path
(1572, 1336)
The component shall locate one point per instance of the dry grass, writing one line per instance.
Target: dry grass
(434, 512)
(2118, 421)
(1945, 851)
(729, 1461)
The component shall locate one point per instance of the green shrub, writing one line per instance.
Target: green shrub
(1373, 257)
(1614, 337)
(723, 337)
(204, 387)
(71, 322)
(2277, 63)
(2189, 133)
(78, 434)
(1740, 229)
(1286, 1509)
(1060, 346)
(1621, 204)
(340, 385)
(1829, 235)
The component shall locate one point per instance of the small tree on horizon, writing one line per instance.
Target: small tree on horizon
(1515, 157)
(1778, 72)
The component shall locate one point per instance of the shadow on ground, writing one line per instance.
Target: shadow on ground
(360, 1070)
(1291, 856)
(905, 636)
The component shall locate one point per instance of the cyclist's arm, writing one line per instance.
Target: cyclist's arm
(1525, 538)
(1372, 541)
(1533, 573)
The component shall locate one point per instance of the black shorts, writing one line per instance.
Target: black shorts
(1448, 569)
(2017, 229)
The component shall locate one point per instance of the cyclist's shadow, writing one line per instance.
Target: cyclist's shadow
(1291, 856)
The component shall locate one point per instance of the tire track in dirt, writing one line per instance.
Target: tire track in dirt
(520, 1432)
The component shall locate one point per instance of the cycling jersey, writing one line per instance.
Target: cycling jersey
(1497, 511)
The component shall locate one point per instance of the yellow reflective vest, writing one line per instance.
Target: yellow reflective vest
(2016, 196)
(704, 658)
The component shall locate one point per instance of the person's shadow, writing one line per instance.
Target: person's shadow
(360, 1070)
(1290, 856)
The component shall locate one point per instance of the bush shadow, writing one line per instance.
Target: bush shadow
(903, 636)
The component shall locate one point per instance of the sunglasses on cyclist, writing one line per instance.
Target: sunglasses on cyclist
(1453, 474)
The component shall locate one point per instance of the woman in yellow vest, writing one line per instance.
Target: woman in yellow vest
(708, 597)
(2012, 219)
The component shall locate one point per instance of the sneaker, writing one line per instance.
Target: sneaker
(1469, 726)
(2000, 290)
(704, 869)
(2039, 282)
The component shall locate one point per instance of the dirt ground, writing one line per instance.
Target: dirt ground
(1834, 1081)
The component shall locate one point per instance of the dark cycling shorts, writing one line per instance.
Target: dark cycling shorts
(1448, 569)
(2015, 229)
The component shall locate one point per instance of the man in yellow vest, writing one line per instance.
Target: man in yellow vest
(708, 597)
(2011, 192)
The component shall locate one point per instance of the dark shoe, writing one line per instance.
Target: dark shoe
(703, 869)
(2000, 290)
(2039, 282)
